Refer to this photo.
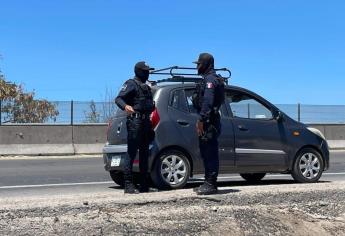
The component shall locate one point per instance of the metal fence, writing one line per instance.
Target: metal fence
(77, 112)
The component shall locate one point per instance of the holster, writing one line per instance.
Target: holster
(211, 132)
(210, 129)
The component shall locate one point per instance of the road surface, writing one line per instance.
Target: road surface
(41, 176)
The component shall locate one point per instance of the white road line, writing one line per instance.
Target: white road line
(54, 185)
(110, 182)
(271, 176)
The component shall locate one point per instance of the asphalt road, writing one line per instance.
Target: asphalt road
(41, 176)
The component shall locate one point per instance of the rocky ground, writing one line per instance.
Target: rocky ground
(285, 209)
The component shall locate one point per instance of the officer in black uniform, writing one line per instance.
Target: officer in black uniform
(208, 100)
(136, 99)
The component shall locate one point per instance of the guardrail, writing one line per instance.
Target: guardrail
(81, 112)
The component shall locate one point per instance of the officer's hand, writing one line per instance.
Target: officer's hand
(200, 128)
(129, 109)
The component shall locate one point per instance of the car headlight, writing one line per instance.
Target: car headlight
(317, 132)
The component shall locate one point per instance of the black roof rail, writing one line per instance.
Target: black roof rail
(177, 76)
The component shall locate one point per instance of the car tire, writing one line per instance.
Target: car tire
(171, 170)
(253, 177)
(308, 166)
(117, 177)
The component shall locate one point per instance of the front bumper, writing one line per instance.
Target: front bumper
(325, 153)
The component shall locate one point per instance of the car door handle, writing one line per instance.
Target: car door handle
(183, 122)
(242, 127)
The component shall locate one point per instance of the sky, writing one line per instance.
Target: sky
(287, 51)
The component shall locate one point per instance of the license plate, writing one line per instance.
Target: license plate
(115, 161)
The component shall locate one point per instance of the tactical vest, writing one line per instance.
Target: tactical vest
(198, 95)
(143, 101)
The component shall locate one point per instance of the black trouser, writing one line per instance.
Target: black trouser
(209, 149)
(138, 138)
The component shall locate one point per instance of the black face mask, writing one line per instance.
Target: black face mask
(143, 75)
(205, 66)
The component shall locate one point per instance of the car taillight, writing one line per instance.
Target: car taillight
(155, 118)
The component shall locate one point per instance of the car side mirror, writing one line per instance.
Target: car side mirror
(278, 115)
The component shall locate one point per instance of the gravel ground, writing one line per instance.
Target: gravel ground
(286, 209)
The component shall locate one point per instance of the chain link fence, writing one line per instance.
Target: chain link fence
(79, 112)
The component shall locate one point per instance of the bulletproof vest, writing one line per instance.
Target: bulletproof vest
(198, 95)
(143, 100)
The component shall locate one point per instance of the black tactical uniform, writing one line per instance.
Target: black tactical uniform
(137, 94)
(208, 100)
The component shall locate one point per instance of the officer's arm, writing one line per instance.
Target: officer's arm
(207, 103)
(127, 90)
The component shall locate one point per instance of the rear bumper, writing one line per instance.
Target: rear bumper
(118, 151)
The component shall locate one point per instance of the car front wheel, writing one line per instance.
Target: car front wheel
(308, 166)
(171, 170)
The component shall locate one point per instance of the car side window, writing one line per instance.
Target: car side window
(189, 96)
(244, 106)
(178, 101)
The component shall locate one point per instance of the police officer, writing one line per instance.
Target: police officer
(136, 99)
(207, 100)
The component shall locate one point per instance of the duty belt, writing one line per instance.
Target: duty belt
(139, 115)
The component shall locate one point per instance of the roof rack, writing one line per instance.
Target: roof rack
(178, 76)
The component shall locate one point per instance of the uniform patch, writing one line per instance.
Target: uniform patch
(209, 85)
(124, 87)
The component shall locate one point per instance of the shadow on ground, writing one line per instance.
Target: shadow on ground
(238, 183)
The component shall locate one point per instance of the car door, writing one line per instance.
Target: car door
(184, 124)
(226, 139)
(259, 137)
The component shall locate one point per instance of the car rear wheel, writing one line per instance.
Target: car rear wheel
(171, 170)
(253, 177)
(117, 177)
(308, 166)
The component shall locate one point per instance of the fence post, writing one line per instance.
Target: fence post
(72, 112)
(299, 112)
(248, 110)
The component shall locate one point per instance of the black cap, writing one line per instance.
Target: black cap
(141, 65)
(204, 57)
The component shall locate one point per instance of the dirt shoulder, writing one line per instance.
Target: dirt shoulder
(290, 209)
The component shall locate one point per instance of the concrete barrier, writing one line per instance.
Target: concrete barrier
(334, 133)
(89, 139)
(43, 139)
(36, 139)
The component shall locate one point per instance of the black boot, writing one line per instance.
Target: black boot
(144, 185)
(130, 188)
(208, 187)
